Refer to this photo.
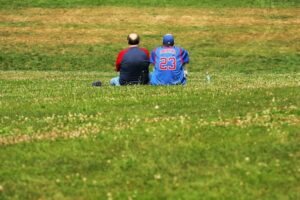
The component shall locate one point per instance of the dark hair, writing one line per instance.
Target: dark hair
(133, 41)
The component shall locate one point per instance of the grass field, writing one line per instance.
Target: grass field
(12, 4)
(88, 39)
(236, 137)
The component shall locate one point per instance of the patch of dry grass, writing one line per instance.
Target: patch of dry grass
(106, 24)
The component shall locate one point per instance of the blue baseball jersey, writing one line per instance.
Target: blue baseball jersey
(168, 65)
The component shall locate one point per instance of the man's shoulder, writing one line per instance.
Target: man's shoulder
(144, 49)
(123, 51)
(156, 48)
(180, 48)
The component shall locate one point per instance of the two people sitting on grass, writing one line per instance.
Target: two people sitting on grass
(169, 63)
(132, 63)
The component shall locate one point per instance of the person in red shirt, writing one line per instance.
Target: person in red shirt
(132, 63)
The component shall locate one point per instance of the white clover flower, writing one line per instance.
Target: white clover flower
(157, 176)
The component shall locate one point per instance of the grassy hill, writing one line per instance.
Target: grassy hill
(88, 39)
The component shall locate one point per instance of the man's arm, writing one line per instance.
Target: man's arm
(118, 62)
(146, 52)
(119, 59)
(152, 60)
(185, 59)
(153, 57)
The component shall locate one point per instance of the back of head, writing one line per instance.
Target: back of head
(168, 40)
(133, 39)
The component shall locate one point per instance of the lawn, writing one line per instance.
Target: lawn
(235, 137)
(13, 4)
(88, 39)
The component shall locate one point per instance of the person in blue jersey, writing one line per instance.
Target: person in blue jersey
(132, 63)
(169, 63)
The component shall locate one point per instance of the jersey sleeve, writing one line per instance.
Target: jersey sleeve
(146, 52)
(119, 60)
(153, 57)
(184, 55)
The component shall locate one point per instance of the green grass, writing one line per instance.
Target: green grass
(143, 3)
(227, 40)
(243, 58)
(235, 138)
